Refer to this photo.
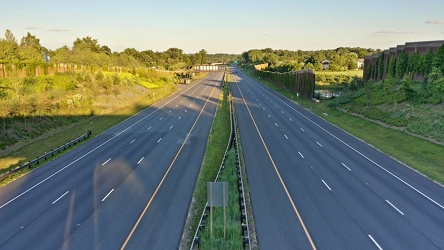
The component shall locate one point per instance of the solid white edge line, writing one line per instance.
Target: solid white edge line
(106, 162)
(104, 198)
(361, 154)
(140, 161)
(326, 184)
(374, 241)
(60, 197)
(399, 211)
(346, 166)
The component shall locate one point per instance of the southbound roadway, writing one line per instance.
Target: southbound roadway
(128, 188)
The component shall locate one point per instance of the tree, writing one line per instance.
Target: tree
(31, 50)
(86, 43)
(203, 56)
(9, 50)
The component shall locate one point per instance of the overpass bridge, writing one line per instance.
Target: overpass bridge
(209, 68)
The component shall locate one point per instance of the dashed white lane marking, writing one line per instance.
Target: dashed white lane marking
(149, 128)
(346, 167)
(186, 110)
(171, 127)
(132, 141)
(268, 115)
(319, 144)
(140, 161)
(399, 211)
(290, 119)
(159, 140)
(180, 117)
(60, 197)
(106, 162)
(326, 184)
(161, 118)
(104, 198)
(302, 130)
(286, 137)
(300, 154)
(276, 124)
(374, 241)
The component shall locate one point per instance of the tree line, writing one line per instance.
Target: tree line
(340, 59)
(87, 51)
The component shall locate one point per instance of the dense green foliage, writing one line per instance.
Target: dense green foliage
(406, 65)
(339, 59)
(416, 106)
(32, 105)
(88, 52)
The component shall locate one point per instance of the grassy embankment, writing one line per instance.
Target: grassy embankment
(422, 155)
(114, 108)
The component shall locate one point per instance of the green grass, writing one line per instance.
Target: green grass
(97, 124)
(233, 238)
(420, 154)
(347, 73)
(217, 143)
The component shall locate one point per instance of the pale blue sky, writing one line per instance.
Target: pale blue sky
(226, 26)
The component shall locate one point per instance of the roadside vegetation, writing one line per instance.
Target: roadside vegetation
(233, 234)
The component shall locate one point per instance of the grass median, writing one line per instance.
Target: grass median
(217, 143)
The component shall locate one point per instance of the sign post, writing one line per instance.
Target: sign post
(217, 196)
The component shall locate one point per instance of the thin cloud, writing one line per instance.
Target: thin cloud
(33, 28)
(392, 32)
(435, 22)
(58, 30)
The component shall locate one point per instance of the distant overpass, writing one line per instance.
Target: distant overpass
(209, 68)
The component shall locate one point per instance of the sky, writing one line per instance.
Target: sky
(225, 26)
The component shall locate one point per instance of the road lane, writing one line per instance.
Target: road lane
(344, 206)
(108, 166)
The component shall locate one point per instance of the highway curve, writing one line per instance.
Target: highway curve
(129, 187)
(312, 185)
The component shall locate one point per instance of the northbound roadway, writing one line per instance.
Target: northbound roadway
(312, 185)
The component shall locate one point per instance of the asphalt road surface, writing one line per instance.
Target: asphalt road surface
(129, 187)
(312, 185)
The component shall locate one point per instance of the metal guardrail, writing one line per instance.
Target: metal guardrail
(46, 155)
(244, 218)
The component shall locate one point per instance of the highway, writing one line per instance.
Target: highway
(129, 187)
(314, 186)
